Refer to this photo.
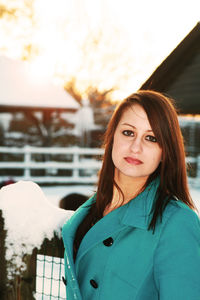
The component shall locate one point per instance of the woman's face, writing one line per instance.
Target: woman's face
(135, 151)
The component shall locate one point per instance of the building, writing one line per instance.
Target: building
(33, 113)
(178, 76)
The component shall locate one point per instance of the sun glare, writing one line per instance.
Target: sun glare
(40, 70)
(101, 43)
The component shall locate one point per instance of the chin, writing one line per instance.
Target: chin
(135, 175)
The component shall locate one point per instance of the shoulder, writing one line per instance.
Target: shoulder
(178, 214)
(180, 224)
(177, 254)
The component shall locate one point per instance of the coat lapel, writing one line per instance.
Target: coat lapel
(70, 227)
(68, 233)
(103, 229)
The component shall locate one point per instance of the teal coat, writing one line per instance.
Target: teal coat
(119, 259)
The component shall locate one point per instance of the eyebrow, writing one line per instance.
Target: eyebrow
(149, 130)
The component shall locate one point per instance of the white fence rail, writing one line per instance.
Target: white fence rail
(82, 164)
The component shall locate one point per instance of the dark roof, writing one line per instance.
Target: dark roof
(179, 74)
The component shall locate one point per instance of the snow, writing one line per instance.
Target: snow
(5, 120)
(55, 193)
(29, 218)
(195, 194)
(187, 120)
(18, 89)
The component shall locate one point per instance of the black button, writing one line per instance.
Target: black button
(108, 242)
(93, 283)
(64, 280)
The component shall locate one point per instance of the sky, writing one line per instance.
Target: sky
(106, 44)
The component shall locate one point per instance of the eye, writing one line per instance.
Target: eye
(151, 138)
(128, 132)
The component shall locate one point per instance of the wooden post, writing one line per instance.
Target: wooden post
(3, 275)
(20, 287)
(27, 284)
(53, 247)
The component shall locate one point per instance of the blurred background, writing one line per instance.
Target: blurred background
(64, 66)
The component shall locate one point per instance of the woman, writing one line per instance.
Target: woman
(138, 237)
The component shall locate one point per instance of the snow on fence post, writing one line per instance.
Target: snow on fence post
(23, 285)
(27, 220)
(19, 286)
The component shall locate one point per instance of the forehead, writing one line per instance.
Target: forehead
(135, 115)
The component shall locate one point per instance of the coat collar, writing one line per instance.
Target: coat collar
(135, 213)
(138, 210)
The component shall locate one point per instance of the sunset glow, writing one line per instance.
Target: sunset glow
(103, 43)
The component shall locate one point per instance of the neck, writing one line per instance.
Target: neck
(129, 186)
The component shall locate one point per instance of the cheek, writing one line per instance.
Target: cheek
(157, 156)
(116, 145)
(115, 150)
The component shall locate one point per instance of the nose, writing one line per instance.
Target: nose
(136, 145)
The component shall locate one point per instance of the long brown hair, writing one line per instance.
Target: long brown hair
(163, 119)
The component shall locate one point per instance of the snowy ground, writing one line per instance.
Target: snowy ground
(56, 193)
(195, 193)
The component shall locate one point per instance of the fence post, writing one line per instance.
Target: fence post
(198, 169)
(28, 277)
(75, 172)
(3, 275)
(27, 160)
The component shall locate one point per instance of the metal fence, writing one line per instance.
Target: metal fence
(49, 277)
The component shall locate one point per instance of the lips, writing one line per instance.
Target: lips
(133, 161)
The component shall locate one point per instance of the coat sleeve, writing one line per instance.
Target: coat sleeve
(177, 257)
